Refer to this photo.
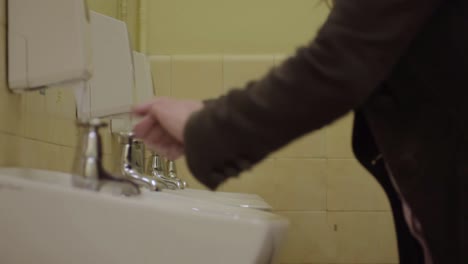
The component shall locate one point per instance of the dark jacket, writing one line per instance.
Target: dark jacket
(402, 66)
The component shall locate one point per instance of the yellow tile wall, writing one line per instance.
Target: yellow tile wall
(338, 212)
(227, 26)
(10, 107)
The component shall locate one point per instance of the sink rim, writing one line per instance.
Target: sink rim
(175, 203)
(237, 202)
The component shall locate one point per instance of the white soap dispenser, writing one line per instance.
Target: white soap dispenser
(142, 92)
(143, 79)
(110, 90)
(48, 43)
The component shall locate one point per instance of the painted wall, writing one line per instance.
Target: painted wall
(230, 27)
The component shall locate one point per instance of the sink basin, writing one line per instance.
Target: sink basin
(45, 220)
(234, 199)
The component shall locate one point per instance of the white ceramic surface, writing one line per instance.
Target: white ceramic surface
(48, 43)
(234, 199)
(45, 220)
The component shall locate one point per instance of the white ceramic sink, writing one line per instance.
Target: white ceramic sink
(43, 219)
(234, 199)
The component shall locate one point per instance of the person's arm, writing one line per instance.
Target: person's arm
(352, 54)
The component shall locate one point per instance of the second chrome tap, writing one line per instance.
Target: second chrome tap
(158, 169)
(132, 160)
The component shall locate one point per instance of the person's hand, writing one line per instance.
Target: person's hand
(163, 123)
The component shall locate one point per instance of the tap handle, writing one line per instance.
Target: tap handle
(126, 137)
(90, 145)
(171, 167)
(87, 166)
(157, 162)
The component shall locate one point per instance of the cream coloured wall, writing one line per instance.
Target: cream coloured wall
(230, 27)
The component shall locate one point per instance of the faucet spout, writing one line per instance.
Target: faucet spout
(130, 168)
(133, 175)
(158, 171)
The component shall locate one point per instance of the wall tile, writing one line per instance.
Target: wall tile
(239, 70)
(33, 154)
(36, 126)
(240, 184)
(309, 240)
(236, 27)
(161, 72)
(364, 237)
(3, 150)
(280, 58)
(9, 150)
(309, 146)
(338, 138)
(3, 14)
(3, 47)
(260, 180)
(286, 184)
(301, 184)
(106, 7)
(196, 77)
(10, 104)
(350, 187)
(53, 156)
(108, 139)
(34, 103)
(63, 132)
(60, 102)
(108, 162)
(46, 156)
(10, 113)
(67, 156)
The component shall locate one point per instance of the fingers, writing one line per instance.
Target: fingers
(162, 125)
(165, 145)
(175, 152)
(144, 108)
(144, 127)
(156, 136)
(141, 110)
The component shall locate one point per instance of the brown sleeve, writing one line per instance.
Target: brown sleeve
(353, 53)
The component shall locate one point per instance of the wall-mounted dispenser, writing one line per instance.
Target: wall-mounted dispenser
(143, 79)
(110, 90)
(143, 90)
(48, 43)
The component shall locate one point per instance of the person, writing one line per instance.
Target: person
(401, 66)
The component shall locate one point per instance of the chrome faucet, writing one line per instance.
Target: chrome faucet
(172, 172)
(88, 172)
(157, 169)
(132, 160)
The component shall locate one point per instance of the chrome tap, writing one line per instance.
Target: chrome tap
(172, 172)
(131, 167)
(88, 172)
(158, 171)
